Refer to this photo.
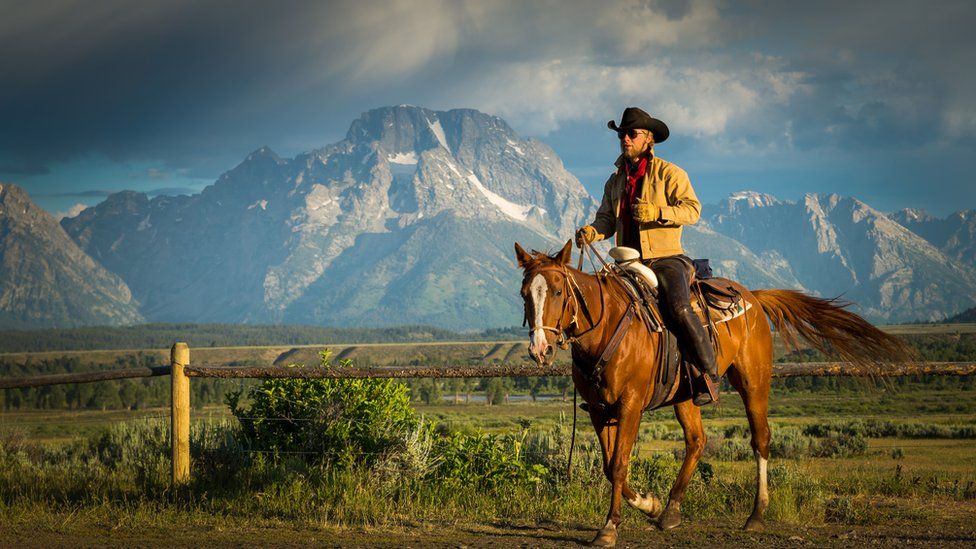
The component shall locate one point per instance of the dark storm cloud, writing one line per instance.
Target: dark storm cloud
(24, 168)
(125, 78)
(171, 79)
(194, 86)
(876, 74)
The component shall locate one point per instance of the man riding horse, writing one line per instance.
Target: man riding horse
(645, 203)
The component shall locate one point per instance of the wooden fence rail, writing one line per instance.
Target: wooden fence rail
(784, 369)
(85, 377)
(180, 371)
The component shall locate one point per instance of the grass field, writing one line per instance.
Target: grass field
(896, 490)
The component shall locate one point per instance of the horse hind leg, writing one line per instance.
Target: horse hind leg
(756, 522)
(755, 396)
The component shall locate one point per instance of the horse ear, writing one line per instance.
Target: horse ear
(523, 256)
(566, 254)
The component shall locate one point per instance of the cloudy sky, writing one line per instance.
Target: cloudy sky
(871, 99)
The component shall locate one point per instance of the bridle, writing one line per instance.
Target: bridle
(574, 298)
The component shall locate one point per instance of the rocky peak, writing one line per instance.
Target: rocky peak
(752, 199)
(911, 215)
(400, 130)
(19, 213)
(955, 235)
(46, 280)
(739, 202)
(129, 201)
(14, 201)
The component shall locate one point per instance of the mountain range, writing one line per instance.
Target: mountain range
(410, 220)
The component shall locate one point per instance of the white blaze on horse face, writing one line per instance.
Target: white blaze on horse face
(537, 290)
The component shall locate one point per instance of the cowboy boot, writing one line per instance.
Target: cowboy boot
(698, 346)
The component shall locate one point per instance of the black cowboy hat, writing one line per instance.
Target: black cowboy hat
(635, 118)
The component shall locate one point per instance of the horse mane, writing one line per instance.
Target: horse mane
(540, 259)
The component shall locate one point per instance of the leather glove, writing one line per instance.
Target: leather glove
(586, 234)
(645, 212)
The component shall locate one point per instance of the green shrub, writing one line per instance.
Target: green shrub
(789, 443)
(140, 447)
(891, 429)
(840, 445)
(330, 420)
(729, 449)
(786, 442)
(484, 459)
(654, 474)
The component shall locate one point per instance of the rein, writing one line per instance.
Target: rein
(578, 299)
(596, 373)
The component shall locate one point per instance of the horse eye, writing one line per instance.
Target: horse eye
(559, 292)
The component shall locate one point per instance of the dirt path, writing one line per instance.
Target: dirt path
(951, 533)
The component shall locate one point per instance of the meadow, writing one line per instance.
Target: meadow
(845, 460)
(853, 462)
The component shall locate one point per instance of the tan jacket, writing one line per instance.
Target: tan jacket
(665, 185)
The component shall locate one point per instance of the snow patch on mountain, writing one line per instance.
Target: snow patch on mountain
(438, 130)
(509, 208)
(514, 146)
(408, 158)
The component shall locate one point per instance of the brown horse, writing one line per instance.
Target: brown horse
(556, 295)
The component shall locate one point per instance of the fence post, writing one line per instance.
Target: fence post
(180, 413)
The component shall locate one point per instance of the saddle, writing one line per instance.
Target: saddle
(715, 300)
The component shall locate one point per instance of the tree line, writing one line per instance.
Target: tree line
(161, 336)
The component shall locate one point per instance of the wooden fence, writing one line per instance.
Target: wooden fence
(180, 371)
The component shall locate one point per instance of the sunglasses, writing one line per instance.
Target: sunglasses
(632, 133)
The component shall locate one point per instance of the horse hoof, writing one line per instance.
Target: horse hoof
(754, 524)
(606, 537)
(669, 519)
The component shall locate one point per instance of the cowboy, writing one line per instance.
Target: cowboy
(645, 203)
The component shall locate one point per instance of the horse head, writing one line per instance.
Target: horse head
(549, 300)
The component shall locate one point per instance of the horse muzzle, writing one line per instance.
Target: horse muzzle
(543, 356)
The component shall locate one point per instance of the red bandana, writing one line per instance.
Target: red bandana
(634, 174)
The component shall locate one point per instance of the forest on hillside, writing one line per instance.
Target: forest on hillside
(162, 336)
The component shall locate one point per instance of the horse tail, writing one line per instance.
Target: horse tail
(831, 329)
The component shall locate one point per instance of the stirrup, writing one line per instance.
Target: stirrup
(706, 390)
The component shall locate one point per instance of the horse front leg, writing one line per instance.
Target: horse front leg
(617, 449)
(606, 432)
(689, 416)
